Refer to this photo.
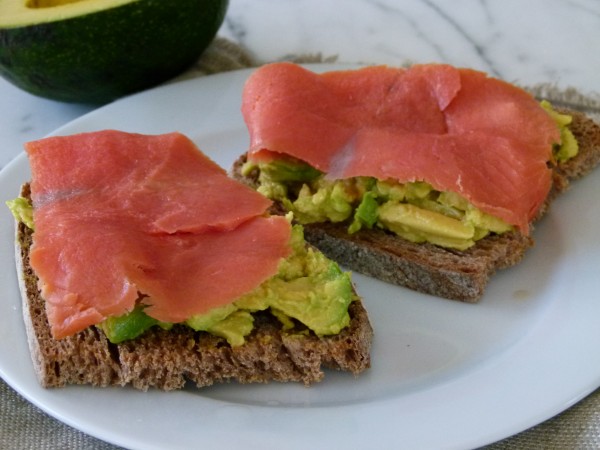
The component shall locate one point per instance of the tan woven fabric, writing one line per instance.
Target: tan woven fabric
(24, 426)
(576, 428)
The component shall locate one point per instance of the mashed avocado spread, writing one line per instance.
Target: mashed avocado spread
(568, 147)
(308, 289)
(414, 211)
(21, 210)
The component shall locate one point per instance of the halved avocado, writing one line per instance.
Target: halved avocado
(94, 51)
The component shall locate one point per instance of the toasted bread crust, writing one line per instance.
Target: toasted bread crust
(427, 268)
(587, 133)
(168, 359)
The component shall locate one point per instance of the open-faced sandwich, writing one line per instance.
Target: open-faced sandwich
(428, 177)
(141, 262)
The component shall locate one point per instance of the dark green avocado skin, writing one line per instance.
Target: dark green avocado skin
(97, 58)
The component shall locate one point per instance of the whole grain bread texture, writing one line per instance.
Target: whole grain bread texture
(427, 268)
(169, 359)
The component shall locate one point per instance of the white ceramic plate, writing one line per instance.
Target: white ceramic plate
(444, 374)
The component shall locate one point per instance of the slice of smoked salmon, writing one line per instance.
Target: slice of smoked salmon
(117, 214)
(233, 263)
(291, 110)
(164, 180)
(457, 129)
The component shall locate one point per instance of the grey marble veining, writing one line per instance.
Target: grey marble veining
(526, 41)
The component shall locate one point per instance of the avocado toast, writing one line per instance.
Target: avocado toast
(298, 314)
(429, 177)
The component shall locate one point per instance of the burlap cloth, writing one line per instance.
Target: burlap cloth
(24, 426)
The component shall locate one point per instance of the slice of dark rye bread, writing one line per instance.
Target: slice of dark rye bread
(453, 274)
(168, 359)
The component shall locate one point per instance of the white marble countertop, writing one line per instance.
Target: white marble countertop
(529, 42)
